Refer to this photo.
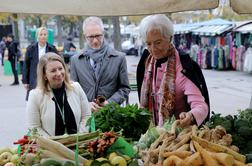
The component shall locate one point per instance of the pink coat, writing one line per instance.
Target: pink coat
(184, 86)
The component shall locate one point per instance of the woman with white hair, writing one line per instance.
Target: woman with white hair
(33, 53)
(167, 87)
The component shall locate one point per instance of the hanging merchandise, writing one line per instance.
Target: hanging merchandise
(227, 56)
(238, 39)
(240, 56)
(215, 56)
(222, 41)
(248, 60)
(234, 57)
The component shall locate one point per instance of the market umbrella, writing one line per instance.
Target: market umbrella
(241, 6)
(104, 7)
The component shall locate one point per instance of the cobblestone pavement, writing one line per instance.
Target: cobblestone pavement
(229, 91)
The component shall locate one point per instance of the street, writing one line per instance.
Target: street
(229, 91)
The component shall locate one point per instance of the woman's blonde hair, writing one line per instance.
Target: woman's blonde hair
(42, 83)
(39, 31)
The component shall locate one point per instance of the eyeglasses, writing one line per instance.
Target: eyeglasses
(92, 37)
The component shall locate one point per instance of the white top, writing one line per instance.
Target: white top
(41, 110)
(41, 50)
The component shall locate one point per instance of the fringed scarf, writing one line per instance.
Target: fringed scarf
(167, 87)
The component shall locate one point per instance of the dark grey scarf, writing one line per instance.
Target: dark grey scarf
(96, 56)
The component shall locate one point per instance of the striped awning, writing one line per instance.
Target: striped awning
(212, 30)
(247, 28)
(184, 28)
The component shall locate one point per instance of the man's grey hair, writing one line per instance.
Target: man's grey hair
(92, 21)
(156, 22)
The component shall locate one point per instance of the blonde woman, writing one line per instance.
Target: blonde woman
(57, 106)
(33, 53)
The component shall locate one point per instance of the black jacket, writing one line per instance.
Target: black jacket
(12, 50)
(31, 62)
(190, 69)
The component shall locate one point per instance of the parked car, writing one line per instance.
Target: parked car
(129, 48)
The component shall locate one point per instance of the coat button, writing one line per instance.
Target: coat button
(184, 70)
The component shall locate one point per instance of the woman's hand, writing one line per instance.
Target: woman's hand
(185, 119)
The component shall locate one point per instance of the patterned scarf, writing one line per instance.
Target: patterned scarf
(167, 87)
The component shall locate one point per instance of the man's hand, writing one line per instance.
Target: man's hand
(26, 86)
(94, 107)
(186, 119)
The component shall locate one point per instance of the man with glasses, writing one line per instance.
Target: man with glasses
(100, 70)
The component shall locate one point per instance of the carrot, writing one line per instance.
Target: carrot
(180, 154)
(219, 148)
(193, 160)
(172, 160)
(223, 158)
(208, 160)
(57, 148)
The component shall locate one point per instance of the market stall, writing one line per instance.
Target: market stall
(224, 140)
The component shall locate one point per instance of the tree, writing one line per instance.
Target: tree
(116, 34)
(59, 28)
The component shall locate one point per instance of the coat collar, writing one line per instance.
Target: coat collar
(111, 53)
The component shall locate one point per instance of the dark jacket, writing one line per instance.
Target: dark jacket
(190, 69)
(12, 50)
(31, 62)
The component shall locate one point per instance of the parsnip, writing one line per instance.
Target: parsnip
(238, 163)
(223, 158)
(184, 139)
(219, 148)
(192, 146)
(193, 160)
(184, 147)
(180, 154)
(208, 160)
(172, 160)
(174, 126)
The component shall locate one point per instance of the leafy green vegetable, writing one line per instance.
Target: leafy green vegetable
(132, 120)
(217, 119)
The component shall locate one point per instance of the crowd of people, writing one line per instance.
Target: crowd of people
(59, 102)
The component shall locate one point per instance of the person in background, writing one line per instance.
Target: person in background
(12, 46)
(2, 49)
(33, 53)
(68, 44)
(69, 51)
(100, 70)
(165, 89)
(57, 105)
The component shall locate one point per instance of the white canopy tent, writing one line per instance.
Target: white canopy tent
(116, 7)
(104, 7)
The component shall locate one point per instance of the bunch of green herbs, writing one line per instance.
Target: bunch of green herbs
(133, 121)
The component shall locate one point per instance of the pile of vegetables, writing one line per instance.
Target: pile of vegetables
(154, 132)
(239, 126)
(133, 121)
(193, 147)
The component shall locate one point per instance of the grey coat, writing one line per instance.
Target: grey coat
(112, 81)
